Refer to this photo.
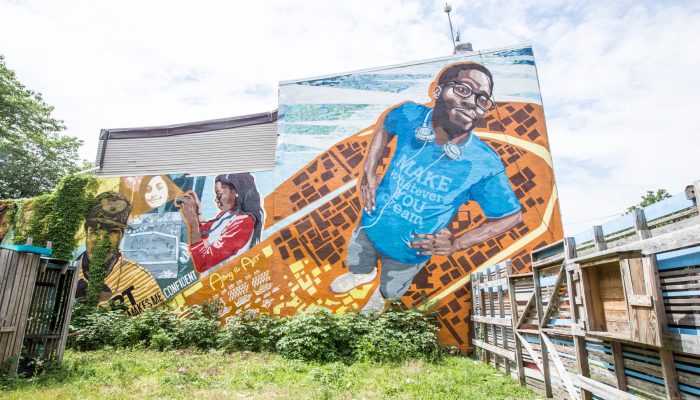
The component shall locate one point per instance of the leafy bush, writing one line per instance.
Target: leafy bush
(161, 340)
(251, 332)
(315, 335)
(318, 335)
(199, 328)
(396, 335)
(99, 329)
(143, 328)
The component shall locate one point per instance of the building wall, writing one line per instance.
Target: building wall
(311, 202)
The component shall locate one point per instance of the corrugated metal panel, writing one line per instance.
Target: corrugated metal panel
(247, 148)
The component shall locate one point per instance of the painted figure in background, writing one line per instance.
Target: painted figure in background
(109, 215)
(150, 194)
(235, 228)
(438, 165)
(156, 193)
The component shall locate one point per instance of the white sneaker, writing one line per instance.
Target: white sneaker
(375, 304)
(349, 281)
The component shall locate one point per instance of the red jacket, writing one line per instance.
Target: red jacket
(234, 236)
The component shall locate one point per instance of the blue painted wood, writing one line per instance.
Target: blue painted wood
(598, 347)
(559, 322)
(562, 342)
(667, 207)
(645, 377)
(585, 236)
(540, 254)
(641, 358)
(548, 280)
(682, 293)
(689, 389)
(686, 367)
(618, 224)
(678, 258)
(683, 331)
(24, 248)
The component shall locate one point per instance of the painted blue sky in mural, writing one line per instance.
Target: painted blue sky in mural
(603, 68)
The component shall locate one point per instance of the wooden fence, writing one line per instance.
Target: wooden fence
(612, 313)
(36, 296)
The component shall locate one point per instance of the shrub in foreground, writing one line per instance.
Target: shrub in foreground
(396, 335)
(251, 332)
(318, 335)
(314, 335)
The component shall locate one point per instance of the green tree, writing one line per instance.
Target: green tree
(34, 154)
(650, 198)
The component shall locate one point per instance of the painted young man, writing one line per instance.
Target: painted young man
(125, 281)
(438, 165)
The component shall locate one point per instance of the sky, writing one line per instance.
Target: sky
(618, 78)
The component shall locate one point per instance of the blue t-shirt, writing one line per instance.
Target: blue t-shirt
(422, 189)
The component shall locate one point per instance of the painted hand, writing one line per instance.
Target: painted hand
(439, 244)
(368, 191)
(190, 208)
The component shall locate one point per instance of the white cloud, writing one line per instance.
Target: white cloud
(618, 78)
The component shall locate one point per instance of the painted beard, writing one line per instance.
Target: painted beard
(442, 115)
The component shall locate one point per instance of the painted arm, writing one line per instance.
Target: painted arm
(232, 239)
(368, 186)
(444, 244)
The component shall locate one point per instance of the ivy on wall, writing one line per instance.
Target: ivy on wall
(98, 267)
(56, 217)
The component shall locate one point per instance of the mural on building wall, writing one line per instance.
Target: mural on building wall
(167, 230)
(396, 184)
(390, 184)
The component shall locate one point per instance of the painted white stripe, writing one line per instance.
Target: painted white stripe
(306, 210)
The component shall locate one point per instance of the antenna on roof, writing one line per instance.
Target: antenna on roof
(448, 8)
(457, 47)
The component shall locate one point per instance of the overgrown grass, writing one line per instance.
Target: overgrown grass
(187, 374)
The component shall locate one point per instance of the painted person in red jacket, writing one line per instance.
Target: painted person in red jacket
(236, 228)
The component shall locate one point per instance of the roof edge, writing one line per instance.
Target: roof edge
(189, 127)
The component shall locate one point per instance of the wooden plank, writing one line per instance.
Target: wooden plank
(543, 349)
(525, 310)
(640, 224)
(670, 375)
(514, 318)
(507, 321)
(492, 328)
(504, 334)
(559, 365)
(530, 351)
(485, 355)
(495, 349)
(619, 365)
(601, 389)
(696, 188)
(521, 275)
(553, 297)
(27, 273)
(598, 238)
(67, 316)
(639, 300)
(492, 284)
(680, 239)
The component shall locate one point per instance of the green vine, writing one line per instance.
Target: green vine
(98, 267)
(57, 216)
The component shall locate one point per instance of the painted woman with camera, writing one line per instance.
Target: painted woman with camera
(235, 228)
